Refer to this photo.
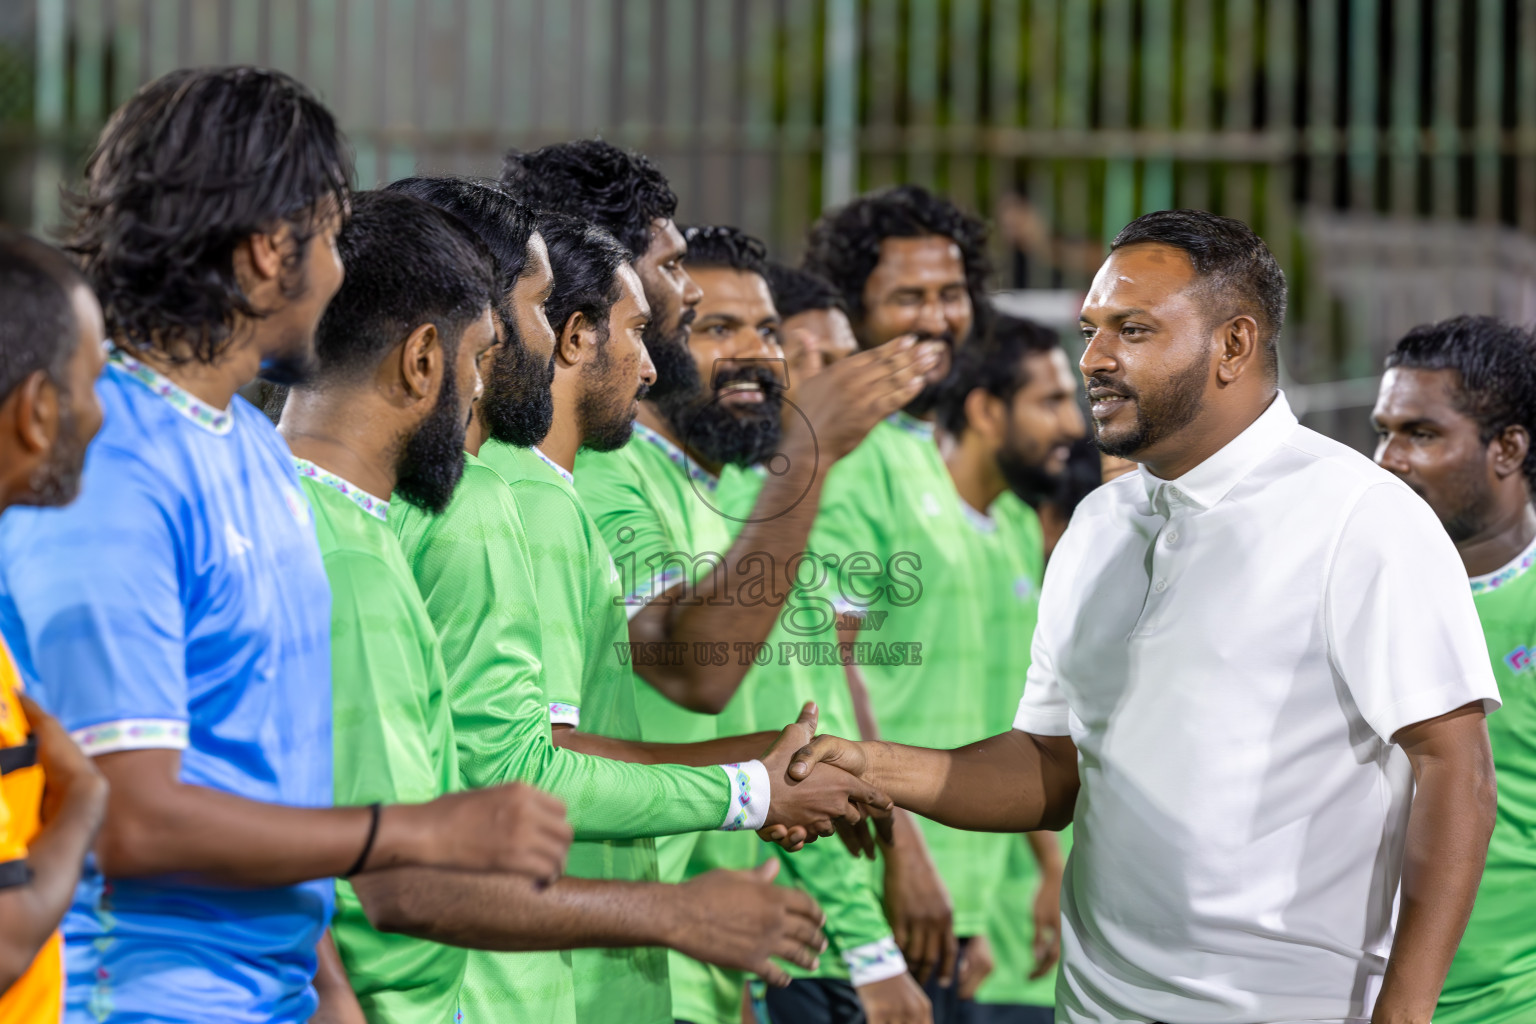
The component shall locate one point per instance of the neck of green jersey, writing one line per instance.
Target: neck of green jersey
(1507, 573)
(370, 503)
(697, 473)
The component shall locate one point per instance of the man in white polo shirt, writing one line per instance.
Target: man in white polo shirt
(1258, 684)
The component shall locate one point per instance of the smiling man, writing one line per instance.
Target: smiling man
(1456, 418)
(1260, 716)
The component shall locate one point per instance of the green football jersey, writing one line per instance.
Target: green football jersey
(582, 612)
(909, 556)
(660, 515)
(1012, 591)
(860, 947)
(472, 567)
(1493, 978)
(391, 734)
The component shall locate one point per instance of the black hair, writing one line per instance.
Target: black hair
(586, 262)
(995, 363)
(195, 162)
(619, 190)
(1496, 365)
(844, 245)
(799, 291)
(38, 330)
(503, 223)
(728, 248)
(408, 263)
(1231, 260)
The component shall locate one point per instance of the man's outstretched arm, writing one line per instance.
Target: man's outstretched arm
(1449, 825)
(1013, 782)
(735, 919)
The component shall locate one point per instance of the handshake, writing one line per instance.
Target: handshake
(813, 797)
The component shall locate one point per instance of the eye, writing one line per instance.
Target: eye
(1131, 331)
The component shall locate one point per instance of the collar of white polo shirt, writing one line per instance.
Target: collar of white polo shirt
(1205, 485)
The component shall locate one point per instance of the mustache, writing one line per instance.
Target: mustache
(643, 390)
(686, 318)
(762, 375)
(1101, 386)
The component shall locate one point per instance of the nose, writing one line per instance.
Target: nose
(647, 368)
(931, 319)
(692, 293)
(1097, 357)
(1391, 455)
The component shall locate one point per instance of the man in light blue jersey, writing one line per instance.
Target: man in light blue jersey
(176, 617)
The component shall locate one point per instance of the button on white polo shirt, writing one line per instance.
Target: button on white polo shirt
(1239, 831)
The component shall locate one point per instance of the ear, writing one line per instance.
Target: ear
(263, 253)
(986, 414)
(36, 411)
(421, 363)
(1241, 350)
(1507, 452)
(576, 341)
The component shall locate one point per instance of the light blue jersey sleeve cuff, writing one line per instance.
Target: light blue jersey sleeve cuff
(874, 961)
(750, 794)
(131, 734)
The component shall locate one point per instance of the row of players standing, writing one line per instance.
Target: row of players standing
(462, 625)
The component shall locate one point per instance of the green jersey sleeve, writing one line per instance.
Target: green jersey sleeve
(562, 591)
(472, 567)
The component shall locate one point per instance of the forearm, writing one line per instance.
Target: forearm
(1007, 783)
(1447, 842)
(725, 750)
(609, 799)
(1046, 848)
(184, 828)
(29, 913)
(712, 611)
(509, 913)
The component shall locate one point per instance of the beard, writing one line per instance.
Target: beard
(1026, 476)
(676, 372)
(431, 459)
(742, 436)
(1158, 415)
(294, 359)
(1475, 508)
(928, 398)
(606, 409)
(517, 405)
(57, 481)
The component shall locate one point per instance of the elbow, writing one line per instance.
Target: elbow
(15, 957)
(125, 849)
(387, 906)
(695, 692)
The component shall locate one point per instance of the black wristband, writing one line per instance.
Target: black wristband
(373, 833)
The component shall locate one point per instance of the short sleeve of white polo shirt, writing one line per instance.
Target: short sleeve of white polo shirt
(1043, 708)
(1402, 629)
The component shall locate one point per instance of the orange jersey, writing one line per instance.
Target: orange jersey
(34, 999)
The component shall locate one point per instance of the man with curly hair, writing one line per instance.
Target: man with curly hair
(908, 262)
(1456, 422)
(176, 616)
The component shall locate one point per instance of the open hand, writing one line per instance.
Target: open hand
(741, 920)
(896, 1000)
(844, 401)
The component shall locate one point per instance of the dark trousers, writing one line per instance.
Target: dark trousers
(815, 1001)
(999, 1013)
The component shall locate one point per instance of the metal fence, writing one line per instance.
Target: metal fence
(1343, 130)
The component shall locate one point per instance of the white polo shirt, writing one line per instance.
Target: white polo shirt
(1232, 652)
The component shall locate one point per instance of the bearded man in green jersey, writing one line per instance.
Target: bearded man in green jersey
(398, 350)
(907, 261)
(1456, 418)
(1006, 424)
(655, 500)
(472, 565)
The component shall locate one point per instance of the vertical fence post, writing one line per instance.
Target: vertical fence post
(839, 146)
(48, 114)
